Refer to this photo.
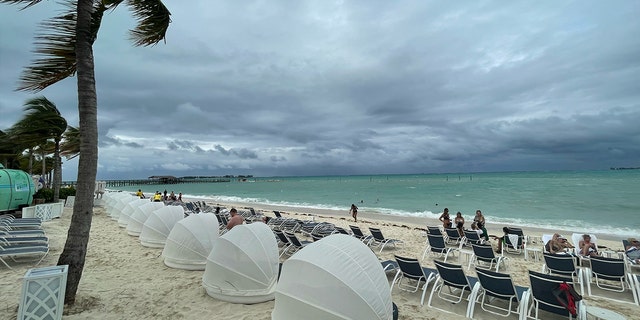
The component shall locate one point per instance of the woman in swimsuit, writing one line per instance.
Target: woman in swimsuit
(459, 221)
(445, 219)
(354, 212)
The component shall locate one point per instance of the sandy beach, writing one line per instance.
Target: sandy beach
(123, 279)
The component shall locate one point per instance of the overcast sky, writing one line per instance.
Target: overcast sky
(354, 87)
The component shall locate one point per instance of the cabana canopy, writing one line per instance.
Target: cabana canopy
(140, 215)
(159, 224)
(190, 241)
(129, 208)
(120, 204)
(337, 277)
(243, 265)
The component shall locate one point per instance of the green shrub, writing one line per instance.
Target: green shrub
(47, 193)
(44, 193)
(65, 192)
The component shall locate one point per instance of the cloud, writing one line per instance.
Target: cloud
(347, 88)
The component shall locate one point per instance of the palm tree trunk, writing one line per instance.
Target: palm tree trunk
(57, 173)
(30, 161)
(44, 165)
(75, 248)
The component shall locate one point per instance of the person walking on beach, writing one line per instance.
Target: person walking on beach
(445, 218)
(354, 212)
(459, 221)
(235, 220)
(180, 196)
(479, 220)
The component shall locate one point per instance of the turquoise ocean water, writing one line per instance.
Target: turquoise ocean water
(600, 202)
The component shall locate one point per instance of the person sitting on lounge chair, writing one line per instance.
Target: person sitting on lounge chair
(558, 244)
(501, 240)
(235, 219)
(633, 250)
(587, 248)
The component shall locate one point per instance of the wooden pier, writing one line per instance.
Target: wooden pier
(156, 181)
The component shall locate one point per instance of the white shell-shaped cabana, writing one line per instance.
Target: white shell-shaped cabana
(190, 241)
(243, 265)
(337, 277)
(158, 225)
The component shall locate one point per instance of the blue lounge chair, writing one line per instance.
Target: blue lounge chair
(410, 271)
(564, 265)
(16, 251)
(472, 237)
(451, 285)
(492, 286)
(379, 240)
(434, 230)
(342, 230)
(283, 241)
(6, 241)
(515, 247)
(453, 236)
(483, 256)
(436, 246)
(357, 232)
(389, 265)
(611, 274)
(296, 244)
(540, 297)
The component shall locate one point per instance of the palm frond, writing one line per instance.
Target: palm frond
(70, 146)
(55, 48)
(27, 3)
(153, 21)
(55, 52)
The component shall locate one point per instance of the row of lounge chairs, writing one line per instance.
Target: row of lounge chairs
(22, 239)
(494, 292)
(606, 274)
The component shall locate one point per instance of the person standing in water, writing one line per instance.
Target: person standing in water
(354, 212)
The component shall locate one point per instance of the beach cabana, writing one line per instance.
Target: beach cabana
(158, 225)
(190, 241)
(243, 265)
(120, 204)
(337, 277)
(140, 215)
(128, 210)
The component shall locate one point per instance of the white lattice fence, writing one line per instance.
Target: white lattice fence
(43, 293)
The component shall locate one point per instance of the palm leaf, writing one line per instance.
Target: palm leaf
(70, 146)
(27, 3)
(55, 47)
(153, 21)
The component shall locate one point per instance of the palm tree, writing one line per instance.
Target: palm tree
(42, 123)
(66, 47)
(10, 151)
(70, 147)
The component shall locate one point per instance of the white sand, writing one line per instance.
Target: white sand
(123, 279)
